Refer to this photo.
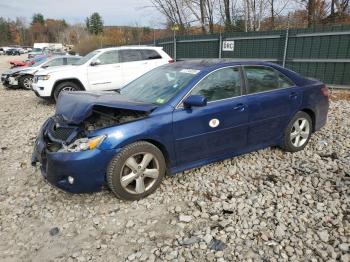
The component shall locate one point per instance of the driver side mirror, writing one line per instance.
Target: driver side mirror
(195, 100)
(95, 62)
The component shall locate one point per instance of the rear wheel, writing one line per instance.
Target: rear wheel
(298, 132)
(63, 87)
(26, 82)
(136, 171)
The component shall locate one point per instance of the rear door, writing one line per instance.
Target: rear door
(272, 99)
(218, 128)
(105, 73)
(134, 64)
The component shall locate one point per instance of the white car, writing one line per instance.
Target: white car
(103, 69)
(21, 77)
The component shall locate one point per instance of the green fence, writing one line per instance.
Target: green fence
(322, 53)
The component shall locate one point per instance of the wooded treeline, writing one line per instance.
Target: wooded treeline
(251, 15)
(187, 16)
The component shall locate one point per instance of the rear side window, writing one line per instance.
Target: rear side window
(221, 84)
(130, 55)
(108, 57)
(148, 54)
(261, 79)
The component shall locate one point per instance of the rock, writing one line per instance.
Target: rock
(216, 245)
(323, 235)
(129, 224)
(207, 238)
(190, 241)
(184, 218)
(344, 247)
(54, 231)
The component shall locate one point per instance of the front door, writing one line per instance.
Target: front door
(218, 128)
(105, 72)
(272, 101)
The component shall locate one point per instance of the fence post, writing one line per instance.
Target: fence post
(174, 46)
(285, 45)
(220, 46)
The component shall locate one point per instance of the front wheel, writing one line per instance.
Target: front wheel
(136, 171)
(63, 87)
(26, 82)
(298, 132)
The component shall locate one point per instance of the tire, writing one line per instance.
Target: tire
(134, 178)
(296, 139)
(26, 82)
(65, 86)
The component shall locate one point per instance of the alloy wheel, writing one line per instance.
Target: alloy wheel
(300, 132)
(27, 82)
(139, 173)
(68, 88)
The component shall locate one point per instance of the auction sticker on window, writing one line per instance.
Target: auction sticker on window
(190, 71)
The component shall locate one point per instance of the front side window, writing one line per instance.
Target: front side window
(221, 84)
(86, 58)
(108, 57)
(261, 79)
(130, 55)
(54, 62)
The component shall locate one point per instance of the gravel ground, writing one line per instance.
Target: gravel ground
(264, 206)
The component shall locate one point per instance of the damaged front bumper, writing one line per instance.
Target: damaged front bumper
(75, 172)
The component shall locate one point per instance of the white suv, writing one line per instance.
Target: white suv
(103, 69)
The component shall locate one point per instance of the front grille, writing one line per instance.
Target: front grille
(59, 132)
(62, 133)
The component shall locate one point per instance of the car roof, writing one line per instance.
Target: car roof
(131, 47)
(202, 64)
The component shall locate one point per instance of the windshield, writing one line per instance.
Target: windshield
(159, 85)
(36, 50)
(86, 58)
(40, 61)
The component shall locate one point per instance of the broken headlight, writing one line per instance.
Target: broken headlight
(83, 144)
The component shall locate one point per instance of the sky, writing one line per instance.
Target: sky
(113, 12)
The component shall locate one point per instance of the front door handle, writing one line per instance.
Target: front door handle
(293, 95)
(239, 107)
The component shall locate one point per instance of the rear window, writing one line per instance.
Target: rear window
(148, 54)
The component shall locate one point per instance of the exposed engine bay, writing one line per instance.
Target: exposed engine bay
(62, 136)
(103, 117)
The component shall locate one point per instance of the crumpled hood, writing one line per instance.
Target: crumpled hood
(15, 70)
(75, 107)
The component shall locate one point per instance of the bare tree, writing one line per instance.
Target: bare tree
(204, 12)
(175, 11)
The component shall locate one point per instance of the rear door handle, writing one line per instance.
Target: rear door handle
(293, 95)
(239, 107)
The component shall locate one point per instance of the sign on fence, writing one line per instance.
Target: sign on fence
(228, 46)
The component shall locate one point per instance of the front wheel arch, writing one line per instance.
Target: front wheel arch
(73, 80)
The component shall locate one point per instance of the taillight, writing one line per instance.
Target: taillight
(171, 61)
(325, 91)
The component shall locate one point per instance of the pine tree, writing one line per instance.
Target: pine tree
(94, 24)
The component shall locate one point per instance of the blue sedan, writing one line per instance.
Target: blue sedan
(176, 117)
